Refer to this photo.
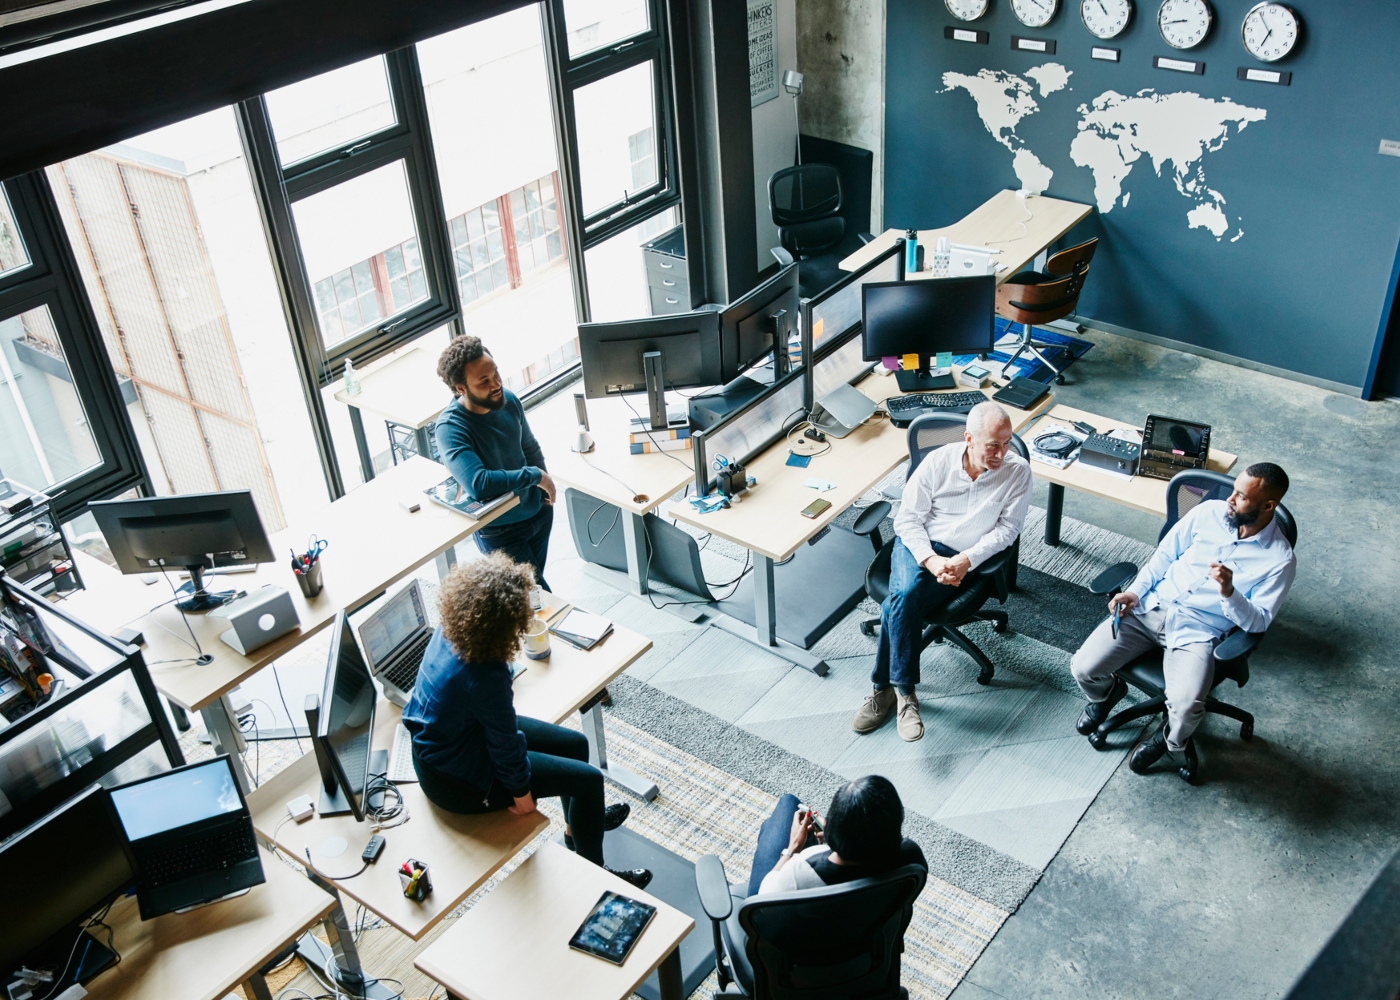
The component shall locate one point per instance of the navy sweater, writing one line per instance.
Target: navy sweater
(493, 453)
(462, 720)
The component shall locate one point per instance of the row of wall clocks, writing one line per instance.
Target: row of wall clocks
(1270, 31)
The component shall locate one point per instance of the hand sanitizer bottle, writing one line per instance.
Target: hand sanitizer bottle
(352, 383)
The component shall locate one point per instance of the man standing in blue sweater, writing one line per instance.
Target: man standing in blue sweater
(486, 443)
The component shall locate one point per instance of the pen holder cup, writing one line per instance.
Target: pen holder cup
(310, 581)
(416, 889)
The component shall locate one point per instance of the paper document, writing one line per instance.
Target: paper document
(582, 628)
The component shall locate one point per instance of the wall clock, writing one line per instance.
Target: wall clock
(1035, 13)
(966, 10)
(1184, 24)
(1106, 18)
(1271, 31)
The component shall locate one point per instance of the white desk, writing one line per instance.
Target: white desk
(406, 391)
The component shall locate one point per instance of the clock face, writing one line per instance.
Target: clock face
(966, 10)
(1184, 24)
(1271, 31)
(1106, 18)
(1035, 13)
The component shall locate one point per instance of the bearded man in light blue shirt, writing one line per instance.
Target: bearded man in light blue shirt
(1226, 563)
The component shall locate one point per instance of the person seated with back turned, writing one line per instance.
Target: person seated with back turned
(486, 443)
(1225, 563)
(471, 752)
(863, 838)
(963, 504)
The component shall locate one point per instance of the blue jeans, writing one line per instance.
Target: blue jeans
(526, 542)
(773, 838)
(913, 594)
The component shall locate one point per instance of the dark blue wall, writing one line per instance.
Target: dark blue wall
(1303, 289)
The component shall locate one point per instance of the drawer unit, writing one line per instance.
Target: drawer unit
(668, 283)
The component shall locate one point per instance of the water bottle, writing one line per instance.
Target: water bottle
(352, 383)
(911, 251)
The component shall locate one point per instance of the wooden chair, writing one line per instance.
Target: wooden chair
(1034, 298)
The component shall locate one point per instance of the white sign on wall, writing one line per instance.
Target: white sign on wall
(763, 53)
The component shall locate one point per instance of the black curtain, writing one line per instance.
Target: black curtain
(72, 102)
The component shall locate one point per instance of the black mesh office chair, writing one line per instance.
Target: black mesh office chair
(834, 943)
(805, 202)
(1185, 491)
(994, 578)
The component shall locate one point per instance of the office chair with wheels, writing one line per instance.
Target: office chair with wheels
(1232, 652)
(994, 578)
(833, 943)
(805, 202)
(1034, 298)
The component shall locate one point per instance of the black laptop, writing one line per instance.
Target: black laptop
(1022, 393)
(190, 837)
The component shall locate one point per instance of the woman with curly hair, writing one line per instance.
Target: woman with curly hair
(472, 753)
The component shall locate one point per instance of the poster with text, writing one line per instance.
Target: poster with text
(763, 53)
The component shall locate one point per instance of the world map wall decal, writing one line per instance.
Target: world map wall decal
(1173, 130)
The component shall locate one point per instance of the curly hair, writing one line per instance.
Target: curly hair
(484, 606)
(452, 363)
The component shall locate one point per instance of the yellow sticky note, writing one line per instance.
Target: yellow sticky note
(817, 325)
(911, 362)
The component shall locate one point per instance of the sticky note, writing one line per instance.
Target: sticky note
(817, 325)
(945, 359)
(891, 363)
(911, 362)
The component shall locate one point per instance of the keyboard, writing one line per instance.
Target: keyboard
(405, 672)
(198, 855)
(904, 409)
(401, 757)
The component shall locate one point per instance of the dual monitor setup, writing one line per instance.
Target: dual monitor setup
(870, 315)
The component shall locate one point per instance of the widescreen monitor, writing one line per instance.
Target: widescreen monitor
(345, 726)
(194, 531)
(761, 320)
(652, 355)
(928, 317)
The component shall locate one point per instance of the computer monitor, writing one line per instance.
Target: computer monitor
(194, 530)
(831, 319)
(74, 863)
(651, 355)
(761, 322)
(341, 723)
(749, 429)
(928, 317)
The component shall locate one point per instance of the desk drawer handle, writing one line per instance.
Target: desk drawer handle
(662, 263)
(668, 284)
(671, 301)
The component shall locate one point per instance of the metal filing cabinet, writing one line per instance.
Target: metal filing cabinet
(667, 281)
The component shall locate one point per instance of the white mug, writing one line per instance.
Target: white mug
(537, 639)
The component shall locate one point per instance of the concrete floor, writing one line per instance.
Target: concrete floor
(1228, 889)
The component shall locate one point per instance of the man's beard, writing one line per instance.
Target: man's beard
(1237, 520)
(487, 402)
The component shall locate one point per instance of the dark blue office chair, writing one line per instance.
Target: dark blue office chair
(834, 943)
(1232, 652)
(994, 578)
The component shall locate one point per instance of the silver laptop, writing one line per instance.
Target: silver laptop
(842, 410)
(394, 638)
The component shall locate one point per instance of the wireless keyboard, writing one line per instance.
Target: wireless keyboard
(905, 409)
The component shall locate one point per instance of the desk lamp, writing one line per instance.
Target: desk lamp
(792, 83)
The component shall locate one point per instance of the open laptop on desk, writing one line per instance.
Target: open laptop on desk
(395, 638)
(189, 836)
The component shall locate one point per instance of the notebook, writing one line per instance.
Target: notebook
(582, 629)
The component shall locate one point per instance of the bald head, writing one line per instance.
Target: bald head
(988, 437)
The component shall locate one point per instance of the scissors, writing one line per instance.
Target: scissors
(314, 547)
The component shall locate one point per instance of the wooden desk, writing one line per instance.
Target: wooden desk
(205, 953)
(1141, 492)
(996, 223)
(462, 852)
(610, 472)
(406, 391)
(769, 521)
(514, 944)
(374, 542)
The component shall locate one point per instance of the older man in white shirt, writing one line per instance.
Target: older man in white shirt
(963, 504)
(1226, 563)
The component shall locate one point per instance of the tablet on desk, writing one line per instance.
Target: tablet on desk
(612, 927)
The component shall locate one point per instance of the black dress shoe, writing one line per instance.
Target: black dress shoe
(1150, 750)
(1096, 711)
(615, 815)
(638, 877)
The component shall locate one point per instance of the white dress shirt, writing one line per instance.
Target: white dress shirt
(1175, 577)
(974, 517)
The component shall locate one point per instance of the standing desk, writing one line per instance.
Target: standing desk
(637, 484)
(1141, 492)
(514, 944)
(996, 223)
(406, 391)
(374, 542)
(203, 954)
(769, 522)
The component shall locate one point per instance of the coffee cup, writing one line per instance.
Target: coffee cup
(537, 639)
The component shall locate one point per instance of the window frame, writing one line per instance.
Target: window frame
(52, 279)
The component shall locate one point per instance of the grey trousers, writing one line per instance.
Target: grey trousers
(1188, 667)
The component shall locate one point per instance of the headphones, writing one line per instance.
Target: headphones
(1056, 444)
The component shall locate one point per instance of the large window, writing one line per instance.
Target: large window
(165, 232)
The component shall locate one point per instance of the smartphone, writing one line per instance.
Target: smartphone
(815, 508)
(1117, 617)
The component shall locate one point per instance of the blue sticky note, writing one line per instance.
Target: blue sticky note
(945, 359)
(800, 461)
